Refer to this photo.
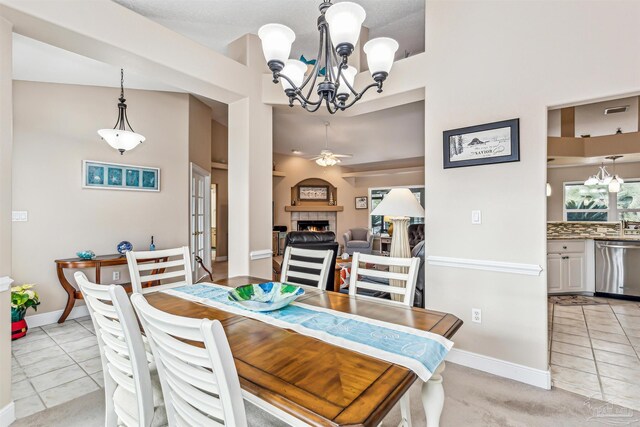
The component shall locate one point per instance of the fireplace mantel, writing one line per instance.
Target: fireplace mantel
(314, 208)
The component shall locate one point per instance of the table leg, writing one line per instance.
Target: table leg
(71, 294)
(433, 397)
(336, 278)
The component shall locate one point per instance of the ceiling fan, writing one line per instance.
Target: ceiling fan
(326, 156)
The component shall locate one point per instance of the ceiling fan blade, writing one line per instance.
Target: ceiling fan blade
(343, 155)
(316, 158)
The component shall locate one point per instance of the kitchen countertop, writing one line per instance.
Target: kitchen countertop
(608, 238)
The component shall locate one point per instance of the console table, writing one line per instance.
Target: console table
(97, 263)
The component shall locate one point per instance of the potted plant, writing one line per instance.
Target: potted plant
(22, 297)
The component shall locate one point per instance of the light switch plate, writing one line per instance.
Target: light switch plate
(476, 217)
(19, 216)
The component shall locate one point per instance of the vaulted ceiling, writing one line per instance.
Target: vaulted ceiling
(216, 23)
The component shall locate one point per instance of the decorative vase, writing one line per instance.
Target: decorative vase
(331, 201)
(19, 326)
(390, 229)
(124, 247)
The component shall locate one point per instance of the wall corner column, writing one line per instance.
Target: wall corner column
(6, 145)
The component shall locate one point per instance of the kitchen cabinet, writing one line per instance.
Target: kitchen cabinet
(570, 266)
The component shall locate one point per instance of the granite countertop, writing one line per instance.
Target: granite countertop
(621, 238)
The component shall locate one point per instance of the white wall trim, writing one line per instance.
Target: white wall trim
(52, 317)
(501, 368)
(7, 415)
(5, 283)
(479, 264)
(261, 254)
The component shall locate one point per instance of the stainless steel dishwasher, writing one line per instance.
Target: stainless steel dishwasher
(618, 267)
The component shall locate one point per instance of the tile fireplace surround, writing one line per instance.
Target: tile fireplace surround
(313, 216)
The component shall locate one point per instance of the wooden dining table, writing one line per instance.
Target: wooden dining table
(308, 382)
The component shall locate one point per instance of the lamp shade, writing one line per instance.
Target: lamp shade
(276, 41)
(121, 140)
(614, 185)
(345, 20)
(399, 202)
(380, 54)
(348, 75)
(295, 70)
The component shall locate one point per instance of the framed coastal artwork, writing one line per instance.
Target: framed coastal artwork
(115, 176)
(362, 202)
(486, 144)
(313, 192)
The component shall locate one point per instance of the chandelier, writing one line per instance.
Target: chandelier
(119, 137)
(603, 177)
(332, 78)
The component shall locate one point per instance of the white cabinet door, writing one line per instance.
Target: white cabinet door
(555, 273)
(574, 264)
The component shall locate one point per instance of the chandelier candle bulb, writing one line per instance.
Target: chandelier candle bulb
(380, 54)
(276, 44)
(345, 20)
(347, 78)
(294, 70)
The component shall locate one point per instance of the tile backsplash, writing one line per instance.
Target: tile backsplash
(583, 229)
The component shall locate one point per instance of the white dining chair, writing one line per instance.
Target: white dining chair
(200, 385)
(306, 266)
(177, 269)
(379, 281)
(132, 397)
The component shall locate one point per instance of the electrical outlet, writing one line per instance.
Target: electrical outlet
(116, 275)
(19, 216)
(476, 315)
(476, 217)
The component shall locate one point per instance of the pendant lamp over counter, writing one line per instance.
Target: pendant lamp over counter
(122, 137)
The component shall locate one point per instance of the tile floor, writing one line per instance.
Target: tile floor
(53, 365)
(594, 350)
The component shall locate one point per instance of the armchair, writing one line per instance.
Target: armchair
(358, 240)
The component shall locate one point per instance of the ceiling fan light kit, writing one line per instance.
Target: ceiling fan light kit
(122, 137)
(339, 26)
(327, 157)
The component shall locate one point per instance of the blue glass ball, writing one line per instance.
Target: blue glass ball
(124, 247)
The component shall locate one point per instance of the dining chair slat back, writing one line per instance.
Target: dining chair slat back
(125, 361)
(406, 271)
(306, 266)
(200, 384)
(172, 265)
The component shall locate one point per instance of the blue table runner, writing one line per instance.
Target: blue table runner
(418, 350)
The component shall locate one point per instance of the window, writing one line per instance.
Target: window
(596, 203)
(377, 223)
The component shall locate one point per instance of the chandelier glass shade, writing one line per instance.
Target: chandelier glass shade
(339, 26)
(122, 137)
(603, 177)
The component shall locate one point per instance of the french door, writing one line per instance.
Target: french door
(200, 217)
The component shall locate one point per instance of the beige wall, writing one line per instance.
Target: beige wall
(5, 206)
(54, 130)
(558, 176)
(497, 60)
(199, 133)
(297, 169)
(220, 154)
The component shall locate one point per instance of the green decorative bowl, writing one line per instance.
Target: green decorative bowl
(267, 296)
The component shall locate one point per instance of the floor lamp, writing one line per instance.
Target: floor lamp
(400, 204)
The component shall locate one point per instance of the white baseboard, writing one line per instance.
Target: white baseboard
(51, 317)
(501, 368)
(221, 258)
(7, 415)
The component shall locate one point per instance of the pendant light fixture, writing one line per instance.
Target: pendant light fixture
(121, 138)
(603, 177)
(339, 26)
